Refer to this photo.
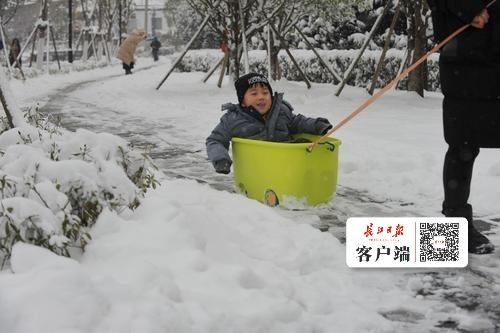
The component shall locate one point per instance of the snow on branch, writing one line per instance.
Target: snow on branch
(10, 107)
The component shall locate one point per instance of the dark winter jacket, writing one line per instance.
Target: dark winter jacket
(470, 72)
(240, 122)
(469, 64)
(15, 49)
(155, 44)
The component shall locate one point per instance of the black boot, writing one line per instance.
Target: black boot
(478, 243)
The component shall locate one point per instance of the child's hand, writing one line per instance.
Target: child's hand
(323, 125)
(223, 166)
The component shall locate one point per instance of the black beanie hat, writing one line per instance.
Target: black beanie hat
(248, 80)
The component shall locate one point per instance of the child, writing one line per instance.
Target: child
(258, 116)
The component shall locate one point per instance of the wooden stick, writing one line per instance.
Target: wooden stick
(304, 77)
(382, 91)
(269, 74)
(47, 45)
(33, 49)
(404, 60)
(55, 47)
(6, 44)
(353, 64)
(223, 69)
(336, 76)
(106, 49)
(92, 38)
(188, 46)
(27, 42)
(214, 67)
(384, 51)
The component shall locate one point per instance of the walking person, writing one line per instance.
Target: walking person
(127, 49)
(470, 81)
(155, 48)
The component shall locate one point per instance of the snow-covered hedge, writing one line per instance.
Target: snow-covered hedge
(203, 60)
(77, 66)
(55, 183)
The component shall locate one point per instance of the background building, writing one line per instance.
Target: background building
(157, 21)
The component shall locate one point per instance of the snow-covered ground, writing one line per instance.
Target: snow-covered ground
(196, 259)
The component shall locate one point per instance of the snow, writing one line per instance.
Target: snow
(176, 265)
(194, 259)
(30, 160)
(15, 112)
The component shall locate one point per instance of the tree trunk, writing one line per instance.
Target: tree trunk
(120, 23)
(381, 61)
(417, 43)
(234, 60)
(234, 41)
(10, 107)
(6, 108)
(275, 63)
(100, 8)
(362, 50)
(70, 31)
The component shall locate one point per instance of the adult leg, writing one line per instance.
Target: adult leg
(127, 69)
(457, 175)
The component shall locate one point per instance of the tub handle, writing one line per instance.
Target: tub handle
(330, 146)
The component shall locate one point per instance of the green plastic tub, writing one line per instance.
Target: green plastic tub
(280, 173)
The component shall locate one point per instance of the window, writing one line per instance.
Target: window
(156, 23)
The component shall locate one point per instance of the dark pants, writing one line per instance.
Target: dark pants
(12, 60)
(155, 54)
(457, 175)
(468, 125)
(128, 68)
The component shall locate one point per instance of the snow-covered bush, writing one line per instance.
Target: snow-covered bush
(199, 61)
(55, 183)
(202, 60)
(77, 66)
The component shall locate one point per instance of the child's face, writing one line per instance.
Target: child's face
(258, 97)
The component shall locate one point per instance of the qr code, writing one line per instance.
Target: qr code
(439, 242)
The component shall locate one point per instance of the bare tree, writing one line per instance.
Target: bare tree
(418, 14)
(283, 15)
(108, 11)
(227, 17)
(284, 20)
(8, 10)
(12, 111)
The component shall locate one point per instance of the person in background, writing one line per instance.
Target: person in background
(470, 81)
(259, 116)
(127, 49)
(155, 48)
(15, 49)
